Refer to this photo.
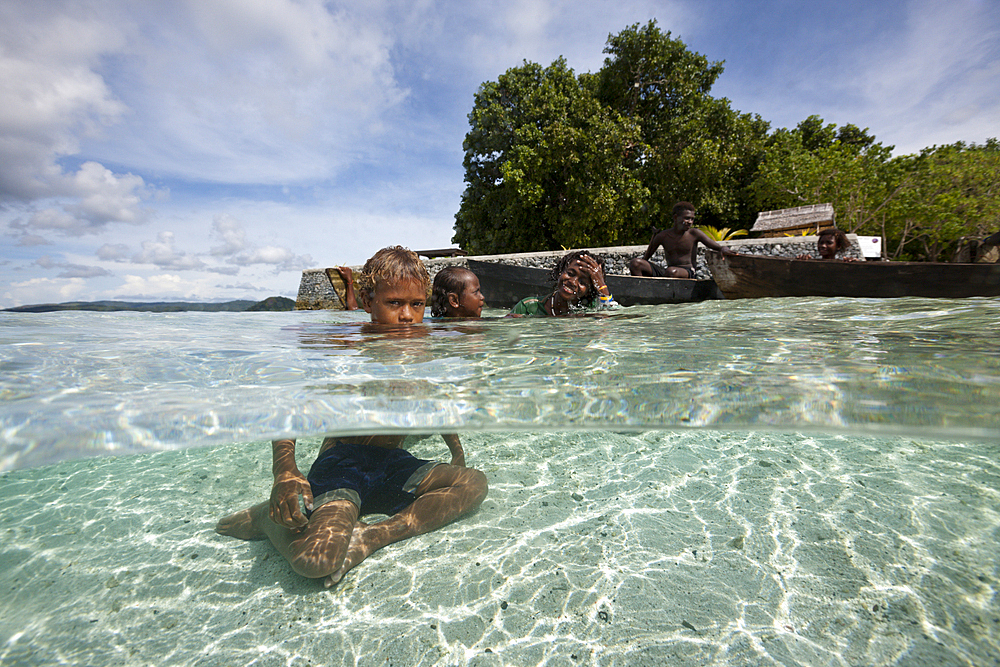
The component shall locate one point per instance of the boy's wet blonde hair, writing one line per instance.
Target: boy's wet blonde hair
(394, 264)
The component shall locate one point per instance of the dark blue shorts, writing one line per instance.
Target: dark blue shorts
(660, 272)
(377, 480)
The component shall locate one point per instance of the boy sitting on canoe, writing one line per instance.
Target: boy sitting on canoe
(680, 247)
(358, 475)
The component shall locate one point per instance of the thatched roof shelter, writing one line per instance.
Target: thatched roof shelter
(792, 221)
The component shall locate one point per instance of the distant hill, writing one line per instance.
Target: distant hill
(274, 303)
(271, 303)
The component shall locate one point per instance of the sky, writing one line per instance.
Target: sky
(210, 150)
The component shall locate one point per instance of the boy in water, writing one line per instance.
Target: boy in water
(456, 293)
(358, 475)
(680, 247)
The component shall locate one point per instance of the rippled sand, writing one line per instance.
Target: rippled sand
(650, 548)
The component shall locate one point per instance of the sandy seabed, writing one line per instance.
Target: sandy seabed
(654, 548)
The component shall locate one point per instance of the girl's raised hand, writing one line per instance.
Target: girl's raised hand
(593, 269)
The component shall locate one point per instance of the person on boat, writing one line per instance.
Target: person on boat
(456, 293)
(358, 475)
(347, 276)
(830, 242)
(680, 247)
(579, 278)
(989, 250)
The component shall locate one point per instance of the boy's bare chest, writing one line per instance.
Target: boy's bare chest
(678, 243)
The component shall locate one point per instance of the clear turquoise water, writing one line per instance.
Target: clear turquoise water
(760, 482)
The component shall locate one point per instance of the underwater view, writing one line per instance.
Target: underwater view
(765, 482)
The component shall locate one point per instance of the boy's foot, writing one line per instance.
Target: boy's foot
(240, 525)
(357, 550)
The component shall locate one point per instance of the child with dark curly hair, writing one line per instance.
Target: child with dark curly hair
(579, 279)
(456, 293)
(830, 242)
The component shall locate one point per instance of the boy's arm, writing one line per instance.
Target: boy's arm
(703, 237)
(457, 453)
(288, 485)
(654, 243)
(347, 275)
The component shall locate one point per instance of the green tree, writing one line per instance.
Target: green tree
(814, 134)
(817, 163)
(546, 166)
(925, 206)
(695, 147)
(946, 195)
(554, 160)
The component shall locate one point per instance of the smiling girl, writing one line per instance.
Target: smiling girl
(579, 278)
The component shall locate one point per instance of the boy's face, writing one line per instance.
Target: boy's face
(684, 219)
(399, 303)
(471, 301)
(826, 246)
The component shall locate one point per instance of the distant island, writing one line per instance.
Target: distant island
(272, 303)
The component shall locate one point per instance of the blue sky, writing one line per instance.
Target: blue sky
(212, 149)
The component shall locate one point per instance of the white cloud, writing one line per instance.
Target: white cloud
(114, 252)
(29, 240)
(199, 287)
(282, 259)
(252, 92)
(936, 81)
(83, 203)
(240, 252)
(44, 290)
(162, 253)
(49, 219)
(267, 255)
(224, 270)
(106, 197)
(156, 286)
(82, 271)
(51, 94)
(232, 234)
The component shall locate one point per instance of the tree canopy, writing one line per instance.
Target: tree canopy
(695, 147)
(553, 159)
(546, 166)
(945, 196)
(924, 206)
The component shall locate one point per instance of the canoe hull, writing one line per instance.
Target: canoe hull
(750, 277)
(504, 285)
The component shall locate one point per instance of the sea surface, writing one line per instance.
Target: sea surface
(759, 482)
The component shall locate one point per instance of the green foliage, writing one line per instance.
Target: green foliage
(695, 147)
(558, 160)
(946, 195)
(554, 160)
(816, 163)
(546, 166)
(923, 205)
(723, 234)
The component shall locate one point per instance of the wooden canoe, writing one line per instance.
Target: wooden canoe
(750, 276)
(504, 285)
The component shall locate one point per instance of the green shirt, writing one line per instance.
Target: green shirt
(530, 307)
